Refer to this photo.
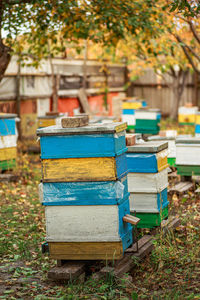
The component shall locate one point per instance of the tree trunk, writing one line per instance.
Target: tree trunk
(176, 102)
(178, 88)
(4, 58)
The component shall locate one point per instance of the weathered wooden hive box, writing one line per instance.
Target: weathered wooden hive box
(171, 158)
(45, 121)
(188, 156)
(197, 124)
(187, 115)
(8, 141)
(85, 191)
(148, 181)
(147, 121)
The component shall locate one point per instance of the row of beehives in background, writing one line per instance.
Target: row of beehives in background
(86, 193)
(184, 152)
(139, 118)
(8, 141)
(189, 115)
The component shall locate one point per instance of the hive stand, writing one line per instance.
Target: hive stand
(71, 270)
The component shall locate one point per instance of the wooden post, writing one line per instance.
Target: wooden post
(55, 82)
(85, 65)
(196, 89)
(18, 96)
(106, 71)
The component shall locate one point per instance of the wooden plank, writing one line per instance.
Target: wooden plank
(143, 241)
(131, 219)
(73, 122)
(144, 251)
(8, 178)
(170, 224)
(127, 263)
(69, 271)
(33, 149)
(197, 190)
(84, 101)
(8, 153)
(181, 187)
(167, 225)
(86, 250)
(84, 169)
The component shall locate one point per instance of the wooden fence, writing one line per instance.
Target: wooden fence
(158, 94)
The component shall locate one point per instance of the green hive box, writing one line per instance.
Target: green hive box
(151, 220)
(7, 164)
(147, 126)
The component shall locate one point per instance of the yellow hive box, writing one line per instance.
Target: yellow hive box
(85, 250)
(197, 119)
(84, 169)
(186, 118)
(8, 153)
(46, 122)
(131, 105)
(162, 160)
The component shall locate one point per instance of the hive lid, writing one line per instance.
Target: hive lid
(49, 117)
(89, 129)
(7, 116)
(161, 138)
(148, 147)
(188, 140)
(150, 110)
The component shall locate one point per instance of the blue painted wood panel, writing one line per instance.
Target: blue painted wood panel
(197, 128)
(128, 111)
(121, 164)
(144, 104)
(7, 127)
(162, 200)
(158, 116)
(124, 209)
(72, 146)
(141, 163)
(127, 239)
(85, 193)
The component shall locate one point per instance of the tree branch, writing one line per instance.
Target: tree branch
(187, 54)
(194, 31)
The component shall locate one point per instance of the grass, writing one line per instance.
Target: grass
(172, 271)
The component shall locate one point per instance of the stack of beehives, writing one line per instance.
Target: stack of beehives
(188, 156)
(8, 141)
(197, 124)
(85, 191)
(187, 115)
(147, 121)
(147, 182)
(49, 120)
(168, 136)
(128, 111)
